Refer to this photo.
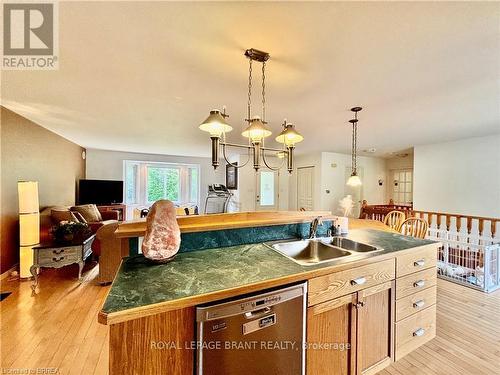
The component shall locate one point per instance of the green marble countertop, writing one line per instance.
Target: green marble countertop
(140, 282)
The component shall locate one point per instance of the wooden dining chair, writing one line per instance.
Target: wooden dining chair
(415, 227)
(394, 219)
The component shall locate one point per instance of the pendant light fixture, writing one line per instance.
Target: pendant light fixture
(354, 179)
(257, 129)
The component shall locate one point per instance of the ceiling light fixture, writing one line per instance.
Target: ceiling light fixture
(257, 129)
(354, 180)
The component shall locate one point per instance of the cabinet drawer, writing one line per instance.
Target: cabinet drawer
(415, 330)
(416, 261)
(57, 260)
(338, 284)
(416, 302)
(415, 282)
(62, 251)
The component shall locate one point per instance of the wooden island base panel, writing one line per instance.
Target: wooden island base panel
(377, 310)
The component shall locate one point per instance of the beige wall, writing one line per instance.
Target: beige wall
(330, 179)
(460, 177)
(30, 152)
(336, 168)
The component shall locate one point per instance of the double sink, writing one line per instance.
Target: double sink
(314, 251)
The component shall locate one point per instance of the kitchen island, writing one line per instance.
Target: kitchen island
(150, 303)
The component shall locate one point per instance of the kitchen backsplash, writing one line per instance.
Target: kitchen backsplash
(240, 236)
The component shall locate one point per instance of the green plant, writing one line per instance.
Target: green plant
(70, 231)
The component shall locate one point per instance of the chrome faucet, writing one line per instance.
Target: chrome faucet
(314, 226)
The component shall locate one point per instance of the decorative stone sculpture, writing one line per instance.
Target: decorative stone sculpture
(163, 236)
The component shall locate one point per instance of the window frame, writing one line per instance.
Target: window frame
(141, 180)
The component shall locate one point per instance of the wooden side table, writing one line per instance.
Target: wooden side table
(57, 255)
(120, 208)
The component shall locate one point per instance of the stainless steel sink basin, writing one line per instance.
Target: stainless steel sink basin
(347, 244)
(309, 252)
(320, 250)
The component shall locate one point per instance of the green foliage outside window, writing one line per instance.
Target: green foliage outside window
(163, 183)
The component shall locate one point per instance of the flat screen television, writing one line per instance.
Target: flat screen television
(101, 192)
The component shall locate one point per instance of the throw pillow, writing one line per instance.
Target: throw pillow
(89, 212)
(79, 217)
(62, 215)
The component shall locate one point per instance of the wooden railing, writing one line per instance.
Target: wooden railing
(379, 211)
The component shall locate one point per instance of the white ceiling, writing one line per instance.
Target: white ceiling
(142, 76)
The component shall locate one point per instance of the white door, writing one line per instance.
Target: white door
(266, 198)
(356, 192)
(305, 188)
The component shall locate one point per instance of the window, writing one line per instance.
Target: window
(266, 188)
(194, 184)
(131, 189)
(147, 182)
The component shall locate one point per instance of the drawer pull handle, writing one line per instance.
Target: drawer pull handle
(358, 281)
(419, 304)
(359, 304)
(419, 263)
(419, 283)
(58, 251)
(57, 259)
(419, 332)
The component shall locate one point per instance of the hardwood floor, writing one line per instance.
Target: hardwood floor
(58, 329)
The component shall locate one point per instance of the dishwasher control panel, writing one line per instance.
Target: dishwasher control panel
(248, 304)
(271, 300)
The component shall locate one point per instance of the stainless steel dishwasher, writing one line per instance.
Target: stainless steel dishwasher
(256, 335)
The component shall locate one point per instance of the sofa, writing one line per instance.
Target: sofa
(52, 215)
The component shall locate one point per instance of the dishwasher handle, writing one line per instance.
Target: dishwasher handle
(259, 312)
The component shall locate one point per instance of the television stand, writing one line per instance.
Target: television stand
(121, 208)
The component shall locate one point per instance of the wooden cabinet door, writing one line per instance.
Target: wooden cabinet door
(375, 317)
(331, 337)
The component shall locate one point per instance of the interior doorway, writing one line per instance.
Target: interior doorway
(305, 188)
(402, 186)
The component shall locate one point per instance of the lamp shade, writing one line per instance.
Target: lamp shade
(354, 180)
(215, 124)
(25, 261)
(28, 196)
(257, 130)
(289, 136)
(29, 229)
